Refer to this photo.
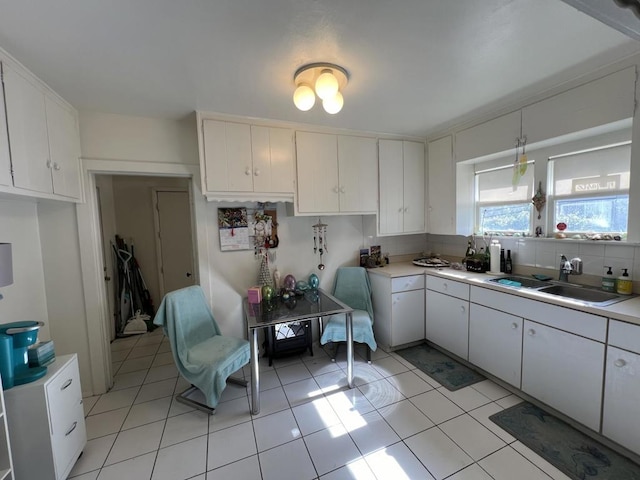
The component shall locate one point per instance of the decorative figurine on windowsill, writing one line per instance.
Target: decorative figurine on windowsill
(539, 199)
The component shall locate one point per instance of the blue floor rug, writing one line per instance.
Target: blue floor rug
(572, 452)
(442, 368)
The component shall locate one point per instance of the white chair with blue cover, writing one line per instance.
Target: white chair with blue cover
(204, 357)
(353, 288)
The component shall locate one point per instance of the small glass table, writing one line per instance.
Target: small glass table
(314, 304)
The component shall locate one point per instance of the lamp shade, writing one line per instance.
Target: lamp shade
(304, 98)
(326, 84)
(333, 104)
(6, 265)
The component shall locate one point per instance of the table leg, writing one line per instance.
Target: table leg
(255, 373)
(349, 326)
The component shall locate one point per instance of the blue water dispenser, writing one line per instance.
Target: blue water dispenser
(15, 339)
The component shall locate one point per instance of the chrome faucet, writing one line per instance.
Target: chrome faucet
(569, 267)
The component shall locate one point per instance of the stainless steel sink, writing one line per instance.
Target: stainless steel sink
(584, 294)
(524, 282)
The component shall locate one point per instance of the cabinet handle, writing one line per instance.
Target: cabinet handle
(66, 384)
(462, 309)
(514, 325)
(73, 427)
(400, 210)
(336, 189)
(56, 166)
(256, 172)
(445, 286)
(619, 363)
(531, 332)
(406, 209)
(342, 190)
(48, 163)
(247, 171)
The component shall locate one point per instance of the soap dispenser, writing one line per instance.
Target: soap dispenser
(608, 281)
(624, 285)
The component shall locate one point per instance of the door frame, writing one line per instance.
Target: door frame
(96, 309)
(156, 224)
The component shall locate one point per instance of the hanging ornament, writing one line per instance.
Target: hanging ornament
(539, 199)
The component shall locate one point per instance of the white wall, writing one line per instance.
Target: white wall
(26, 298)
(63, 283)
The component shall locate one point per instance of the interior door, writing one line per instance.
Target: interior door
(174, 237)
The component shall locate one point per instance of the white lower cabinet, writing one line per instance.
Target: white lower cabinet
(564, 371)
(6, 464)
(620, 419)
(46, 422)
(495, 343)
(447, 315)
(398, 309)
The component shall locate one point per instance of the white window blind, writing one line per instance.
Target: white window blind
(600, 172)
(495, 184)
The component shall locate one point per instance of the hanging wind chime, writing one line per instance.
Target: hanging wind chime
(320, 241)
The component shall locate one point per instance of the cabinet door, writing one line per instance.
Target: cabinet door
(447, 323)
(564, 371)
(391, 180)
(358, 174)
(317, 161)
(495, 343)
(5, 158)
(620, 419)
(407, 313)
(414, 218)
(441, 187)
(227, 151)
(26, 120)
(64, 149)
(493, 136)
(272, 155)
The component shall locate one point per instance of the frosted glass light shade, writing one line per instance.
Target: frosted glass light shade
(304, 98)
(333, 104)
(326, 85)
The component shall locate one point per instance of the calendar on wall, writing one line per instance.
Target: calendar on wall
(234, 229)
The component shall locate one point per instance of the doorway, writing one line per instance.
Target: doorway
(153, 217)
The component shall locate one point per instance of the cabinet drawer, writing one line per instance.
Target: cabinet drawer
(67, 444)
(448, 287)
(404, 284)
(573, 321)
(624, 335)
(64, 397)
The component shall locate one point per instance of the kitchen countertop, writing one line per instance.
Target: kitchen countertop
(626, 310)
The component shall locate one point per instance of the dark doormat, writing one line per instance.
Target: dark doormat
(569, 450)
(442, 368)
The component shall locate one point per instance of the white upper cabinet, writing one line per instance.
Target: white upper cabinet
(336, 173)
(43, 137)
(227, 150)
(272, 153)
(246, 161)
(494, 136)
(596, 103)
(64, 149)
(317, 161)
(401, 187)
(5, 157)
(442, 198)
(27, 124)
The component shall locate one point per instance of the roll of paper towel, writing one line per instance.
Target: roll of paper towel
(494, 252)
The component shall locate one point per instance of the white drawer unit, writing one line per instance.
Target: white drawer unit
(398, 309)
(46, 422)
(624, 335)
(448, 287)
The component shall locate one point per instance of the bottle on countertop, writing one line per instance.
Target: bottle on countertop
(508, 265)
(494, 256)
(608, 281)
(624, 285)
(502, 260)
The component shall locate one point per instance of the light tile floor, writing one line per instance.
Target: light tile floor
(397, 423)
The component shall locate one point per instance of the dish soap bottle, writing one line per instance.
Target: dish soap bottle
(608, 282)
(624, 285)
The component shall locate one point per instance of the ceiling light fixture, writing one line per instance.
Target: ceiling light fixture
(325, 80)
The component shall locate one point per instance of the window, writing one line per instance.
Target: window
(503, 197)
(590, 189)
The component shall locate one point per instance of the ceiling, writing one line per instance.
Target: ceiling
(415, 66)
